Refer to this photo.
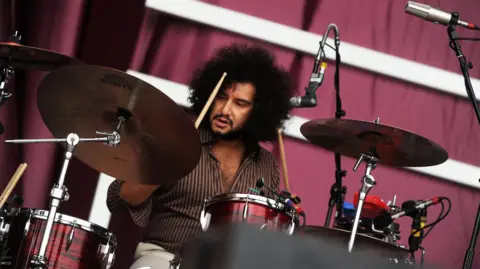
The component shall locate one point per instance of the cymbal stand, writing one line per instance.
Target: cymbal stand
(368, 181)
(6, 73)
(59, 192)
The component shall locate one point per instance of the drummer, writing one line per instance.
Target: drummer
(249, 108)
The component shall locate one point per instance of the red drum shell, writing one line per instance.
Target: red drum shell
(87, 248)
(229, 209)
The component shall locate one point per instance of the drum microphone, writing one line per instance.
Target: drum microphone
(435, 15)
(291, 201)
(285, 198)
(409, 208)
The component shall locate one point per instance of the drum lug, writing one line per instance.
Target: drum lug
(291, 227)
(108, 256)
(71, 235)
(204, 218)
(4, 229)
(27, 225)
(245, 209)
(109, 262)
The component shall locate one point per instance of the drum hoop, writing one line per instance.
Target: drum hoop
(69, 220)
(243, 197)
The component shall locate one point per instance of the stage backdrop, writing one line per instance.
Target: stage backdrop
(130, 36)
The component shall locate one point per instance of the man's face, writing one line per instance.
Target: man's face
(232, 108)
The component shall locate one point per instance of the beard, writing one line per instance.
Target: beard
(233, 134)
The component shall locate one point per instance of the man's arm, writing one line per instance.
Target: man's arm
(134, 197)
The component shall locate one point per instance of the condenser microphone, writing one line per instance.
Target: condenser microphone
(436, 15)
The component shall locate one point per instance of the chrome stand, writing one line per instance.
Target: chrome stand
(6, 74)
(59, 192)
(368, 181)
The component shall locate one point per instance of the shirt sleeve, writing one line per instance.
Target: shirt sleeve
(139, 213)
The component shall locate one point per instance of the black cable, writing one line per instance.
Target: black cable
(439, 215)
(437, 220)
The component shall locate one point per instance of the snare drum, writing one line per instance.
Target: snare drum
(248, 208)
(73, 243)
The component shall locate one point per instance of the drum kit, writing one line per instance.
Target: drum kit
(124, 127)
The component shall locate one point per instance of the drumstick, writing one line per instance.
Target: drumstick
(283, 160)
(209, 102)
(12, 183)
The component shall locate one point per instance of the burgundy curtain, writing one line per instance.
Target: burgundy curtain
(126, 36)
(96, 32)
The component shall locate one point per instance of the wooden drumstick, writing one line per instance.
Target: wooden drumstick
(210, 100)
(12, 183)
(283, 160)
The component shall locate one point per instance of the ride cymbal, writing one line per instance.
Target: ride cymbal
(391, 145)
(159, 142)
(30, 58)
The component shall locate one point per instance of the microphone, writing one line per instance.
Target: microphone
(316, 79)
(310, 99)
(435, 15)
(285, 197)
(409, 208)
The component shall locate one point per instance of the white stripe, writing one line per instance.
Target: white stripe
(307, 42)
(452, 170)
(99, 213)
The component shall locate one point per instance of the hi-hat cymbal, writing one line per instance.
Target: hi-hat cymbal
(391, 145)
(30, 58)
(159, 142)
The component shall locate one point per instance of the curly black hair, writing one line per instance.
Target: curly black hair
(247, 64)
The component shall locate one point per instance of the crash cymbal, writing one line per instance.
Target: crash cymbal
(30, 58)
(159, 142)
(391, 145)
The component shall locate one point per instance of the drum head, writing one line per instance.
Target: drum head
(363, 243)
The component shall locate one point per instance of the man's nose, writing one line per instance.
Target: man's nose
(227, 108)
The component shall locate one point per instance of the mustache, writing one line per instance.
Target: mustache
(218, 116)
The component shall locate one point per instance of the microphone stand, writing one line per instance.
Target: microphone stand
(464, 66)
(468, 260)
(337, 191)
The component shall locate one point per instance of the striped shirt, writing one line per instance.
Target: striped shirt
(172, 213)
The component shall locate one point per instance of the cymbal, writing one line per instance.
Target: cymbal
(30, 58)
(391, 145)
(159, 142)
(363, 243)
